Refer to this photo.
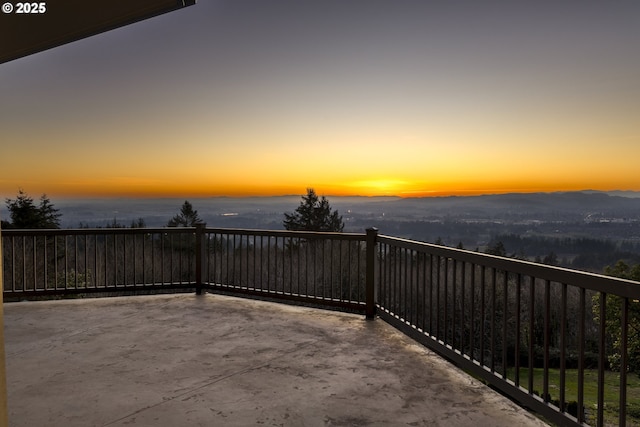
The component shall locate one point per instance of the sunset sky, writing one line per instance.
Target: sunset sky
(351, 97)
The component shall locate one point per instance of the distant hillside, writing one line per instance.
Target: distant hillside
(526, 206)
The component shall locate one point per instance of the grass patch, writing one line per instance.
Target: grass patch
(611, 391)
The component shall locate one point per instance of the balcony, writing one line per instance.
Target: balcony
(186, 360)
(535, 333)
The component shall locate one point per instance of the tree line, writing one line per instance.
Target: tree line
(313, 214)
(26, 213)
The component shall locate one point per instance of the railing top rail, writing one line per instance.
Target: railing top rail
(93, 231)
(592, 281)
(179, 230)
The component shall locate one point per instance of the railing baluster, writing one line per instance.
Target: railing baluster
(299, 264)
(306, 266)
(461, 310)
(227, 275)
(438, 311)
(394, 284)
(240, 269)
(454, 303)
(422, 289)
(387, 285)
(261, 262)
(563, 347)
(275, 265)
(361, 295)
(66, 263)
(601, 358)
(171, 255)
(445, 301)
(95, 259)
(106, 263)
(379, 290)
(136, 238)
(290, 260)
(124, 260)
(472, 320)
(405, 285)
(396, 281)
(581, 355)
(86, 262)
(482, 313)
(234, 260)
(390, 259)
(45, 270)
(35, 263)
(493, 318)
(333, 276)
(75, 260)
(409, 280)
(547, 321)
(624, 336)
(13, 263)
(269, 267)
(24, 264)
(517, 331)
(415, 285)
(349, 274)
(282, 253)
(505, 316)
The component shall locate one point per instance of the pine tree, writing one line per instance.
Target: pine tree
(25, 214)
(49, 216)
(313, 214)
(188, 217)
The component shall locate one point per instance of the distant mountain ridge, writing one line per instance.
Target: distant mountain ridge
(621, 193)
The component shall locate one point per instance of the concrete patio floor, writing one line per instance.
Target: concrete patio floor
(212, 360)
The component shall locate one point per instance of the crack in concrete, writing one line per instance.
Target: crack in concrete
(192, 390)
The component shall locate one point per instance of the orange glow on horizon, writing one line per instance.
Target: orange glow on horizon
(135, 188)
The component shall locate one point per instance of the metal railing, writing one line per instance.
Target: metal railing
(526, 329)
(63, 262)
(509, 322)
(320, 268)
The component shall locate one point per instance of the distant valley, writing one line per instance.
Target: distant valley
(529, 224)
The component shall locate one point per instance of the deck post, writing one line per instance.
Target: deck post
(370, 302)
(200, 252)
